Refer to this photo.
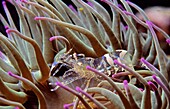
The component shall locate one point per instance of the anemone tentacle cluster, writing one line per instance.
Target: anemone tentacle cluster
(82, 57)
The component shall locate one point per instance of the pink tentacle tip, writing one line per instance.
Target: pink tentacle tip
(88, 67)
(126, 27)
(115, 61)
(3, 3)
(58, 83)
(36, 18)
(6, 27)
(7, 31)
(78, 88)
(152, 85)
(125, 82)
(113, 75)
(149, 82)
(16, 107)
(142, 59)
(154, 77)
(10, 73)
(66, 106)
(52, 38)
(70, 6)
(168, 41)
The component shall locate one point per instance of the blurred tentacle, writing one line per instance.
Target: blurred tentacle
(24, 71)
(113, 40)
(11, 94)
(98, 48)
(122, 96)
(44, 69)
(75, 93)
(146, 101)
(11, 103)
(39, 94)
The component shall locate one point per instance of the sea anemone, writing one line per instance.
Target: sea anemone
(82, 56)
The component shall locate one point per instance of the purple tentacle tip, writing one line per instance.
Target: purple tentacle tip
(113, 75)
(6, 27)
(149, 82)
(36, 18)
(58, 83)
(126, 27)
(142, 59)
(152, 85)
(168, 41)
(7, 31)
(51, 38)
(66, 106)
(70, 6)
(78, 88)
(16, 107)
(88, 67)
(154, 76)
(3, 3)
(115, 61)
(125, 82)
(10, 73)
